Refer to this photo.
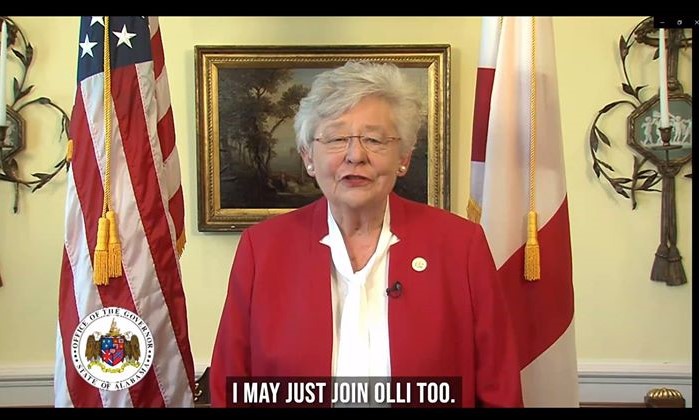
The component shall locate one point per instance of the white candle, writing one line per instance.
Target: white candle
(664, 114)
(3, 71)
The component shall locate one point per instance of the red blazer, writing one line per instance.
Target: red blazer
(450, 320)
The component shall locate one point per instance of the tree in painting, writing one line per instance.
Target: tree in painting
(253, 104)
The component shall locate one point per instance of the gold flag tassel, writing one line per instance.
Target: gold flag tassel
(114, 261)
(532, 262)
(69, 151)
(180, 243)
(100, 275)
(107, 261)
(532, 266)
(473, 211)
(114, 246)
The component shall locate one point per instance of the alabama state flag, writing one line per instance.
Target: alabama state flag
(518, 194)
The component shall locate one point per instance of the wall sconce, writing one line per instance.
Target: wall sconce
(668, 148)
(12, 134)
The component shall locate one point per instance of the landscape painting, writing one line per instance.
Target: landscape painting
(249, 166)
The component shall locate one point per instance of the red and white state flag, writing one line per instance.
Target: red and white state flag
(510, 137)
(144, 191)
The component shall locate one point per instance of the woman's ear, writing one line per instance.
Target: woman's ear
(404, 164)
(307, 162)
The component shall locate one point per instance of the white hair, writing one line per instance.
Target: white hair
(335, 91)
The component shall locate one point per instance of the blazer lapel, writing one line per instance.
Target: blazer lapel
(400, 333)
(316, 281)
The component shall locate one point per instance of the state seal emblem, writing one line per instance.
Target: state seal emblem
(112, 348)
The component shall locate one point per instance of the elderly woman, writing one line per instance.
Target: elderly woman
(362, 282)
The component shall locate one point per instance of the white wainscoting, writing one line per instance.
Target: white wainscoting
(599, 382)
(626, 382)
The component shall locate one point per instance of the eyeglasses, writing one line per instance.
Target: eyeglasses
(374, 144)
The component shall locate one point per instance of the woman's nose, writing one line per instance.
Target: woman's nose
(355, 150)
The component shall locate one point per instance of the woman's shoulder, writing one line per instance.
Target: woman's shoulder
(287, 223)
(417, 212)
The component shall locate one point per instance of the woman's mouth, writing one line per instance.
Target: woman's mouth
(355, 180)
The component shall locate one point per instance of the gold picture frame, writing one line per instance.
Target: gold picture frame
(246, 98)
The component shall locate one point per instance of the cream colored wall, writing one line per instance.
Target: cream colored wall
(620, 314)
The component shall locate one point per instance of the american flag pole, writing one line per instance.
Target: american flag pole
(147, 201)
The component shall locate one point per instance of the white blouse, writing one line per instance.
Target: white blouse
(360, 306)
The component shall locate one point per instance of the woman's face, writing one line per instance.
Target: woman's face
(356, 177)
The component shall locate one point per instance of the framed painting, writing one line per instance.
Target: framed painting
(246, 100)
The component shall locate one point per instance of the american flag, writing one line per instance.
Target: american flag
(146, 195)
(512, 49)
